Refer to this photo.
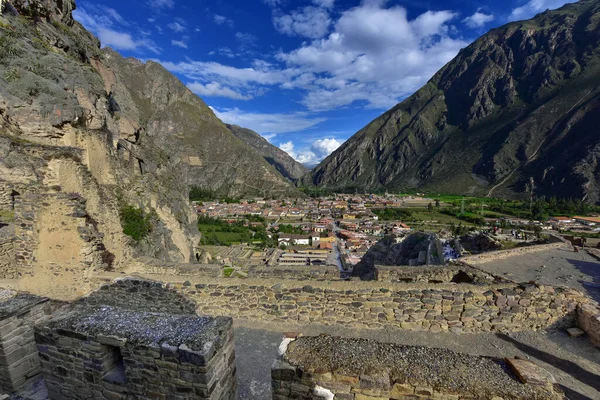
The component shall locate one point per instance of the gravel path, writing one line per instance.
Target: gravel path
(553, 267)
(575, 363)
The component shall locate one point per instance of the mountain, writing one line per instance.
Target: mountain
(519, 105)
(98, 153)
(188, 131)
(286, 165)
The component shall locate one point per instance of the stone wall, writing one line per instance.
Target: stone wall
(19, 361)
(111, 353)
(216, 271)
(141, 295)
(495, 255)
(433, 274)
(357, 369)
(8, 269)
(331, 273)
(454, 307)
(588, 319)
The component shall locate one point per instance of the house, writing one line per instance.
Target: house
(589, 221)
(286, 240)
(561, 220)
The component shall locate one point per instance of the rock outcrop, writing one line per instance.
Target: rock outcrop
(520, 103)
(85, 134)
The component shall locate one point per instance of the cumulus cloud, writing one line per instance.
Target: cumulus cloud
(310, 22)
(215, 89)
(374, 55)
(478, 19)
(534, 7)
(312, 154)
(112, 29)
(265, 123)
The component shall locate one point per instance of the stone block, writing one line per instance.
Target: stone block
(575, 332)
(530, 373)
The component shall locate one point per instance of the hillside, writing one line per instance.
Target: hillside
(519, 104)
(98, 153)
(286, 165)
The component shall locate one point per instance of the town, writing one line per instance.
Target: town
(338, 230)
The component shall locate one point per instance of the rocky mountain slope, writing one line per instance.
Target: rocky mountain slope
(519, 105)
(278, 158)
(86, 134)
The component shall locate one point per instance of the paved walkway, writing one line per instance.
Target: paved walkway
(575, 363)
(556, 267)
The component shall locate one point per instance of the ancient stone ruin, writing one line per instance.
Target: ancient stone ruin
(326, 367)
(132, 339)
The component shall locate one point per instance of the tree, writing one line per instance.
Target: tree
(437, 203)
(430, 207)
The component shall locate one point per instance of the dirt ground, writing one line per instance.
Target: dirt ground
(557, 267)
(574, 363)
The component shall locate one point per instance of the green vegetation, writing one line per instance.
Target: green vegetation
(136, 224)
(290, 229)
(393, 214)
(216, 232)
(200, 194)
(227, 271)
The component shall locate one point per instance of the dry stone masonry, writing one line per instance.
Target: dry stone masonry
(328, 368)
(424, 307)
(107, 352)
(19, 361)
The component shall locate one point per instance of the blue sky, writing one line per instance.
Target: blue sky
(305, 74)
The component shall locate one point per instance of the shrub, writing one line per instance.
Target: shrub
(136, 224)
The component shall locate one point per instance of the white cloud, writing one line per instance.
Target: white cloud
(273, 3)
(313, 154)
(215, 89)
(534, 7)
(268, 123)
(310, 22)
(324, 3)
(375, 56)
(179, 43)
(108, 25)
(220, 20)
(158, 4)
(478, 19)
(177, 26)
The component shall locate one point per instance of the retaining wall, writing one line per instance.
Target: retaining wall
(454, 307)
(433, 274)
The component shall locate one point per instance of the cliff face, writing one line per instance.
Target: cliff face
(521, 102)
(283, 163)
(187, 131)
(85, 133)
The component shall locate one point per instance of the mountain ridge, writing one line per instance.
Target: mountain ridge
(282, 161)
(490, 120)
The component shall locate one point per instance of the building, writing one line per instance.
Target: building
(589, 221)
(302, 240)
(561, 220)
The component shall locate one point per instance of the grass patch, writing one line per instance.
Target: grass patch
(227, 271)
(135, 222)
